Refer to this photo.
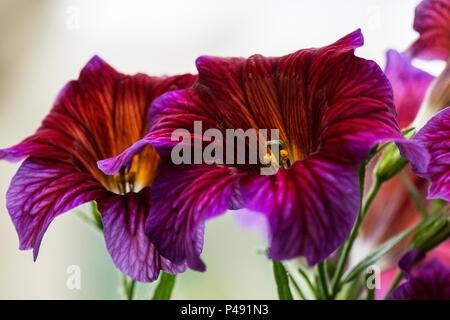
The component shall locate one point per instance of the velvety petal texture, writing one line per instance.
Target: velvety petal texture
(184, 197)
(41, 190)
(330, 108)
(305, 207)
(432, 21)
(435, 137)
(95, 117)
(431, 281)
(123, 218)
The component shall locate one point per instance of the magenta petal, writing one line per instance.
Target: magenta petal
(15, 153)
(409, 84)
(415, 153)
(183, 198)
(431, 281)
(42, 190)
(305, 207)
(113, 165)
(123, 218)
(435, 137)
(432, 21)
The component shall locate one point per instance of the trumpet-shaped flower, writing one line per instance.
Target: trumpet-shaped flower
(93, 118)
(329, 106)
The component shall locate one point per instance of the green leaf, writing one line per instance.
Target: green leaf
(282, 281)
(381, 251)
(165, 286)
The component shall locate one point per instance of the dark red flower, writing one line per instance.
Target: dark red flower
(95, 117)
(330, 108)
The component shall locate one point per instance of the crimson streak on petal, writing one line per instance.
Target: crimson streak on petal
(185, 197)
(330, 108)
(95, 117)
(123, 220)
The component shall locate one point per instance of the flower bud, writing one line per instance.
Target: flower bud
(391, 162)
(433, 234)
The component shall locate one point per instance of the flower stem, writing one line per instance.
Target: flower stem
(94, 219)
(309, 283)
(165, 286)
(128, 286)
(322, 279)
(282, 281)
(348, 244)
(394, 284)
(297, 287)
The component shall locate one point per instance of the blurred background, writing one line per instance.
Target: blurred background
(44, 44)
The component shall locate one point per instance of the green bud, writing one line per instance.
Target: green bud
(433, 234)
(391, 162)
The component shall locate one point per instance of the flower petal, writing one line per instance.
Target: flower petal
(330, 107)
(123, 220)
(435, 137)
(173, 110)
(409, 84)
(432, 21)
(431, 281)
(42, 190)
(96, 117)
(183, 198)
(409, 260)
(305, 207)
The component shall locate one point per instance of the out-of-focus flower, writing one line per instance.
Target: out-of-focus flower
(93, 118)
(410, 85)
(409, 260)
(430, 281)
(432, 21)
(330, 107)
(393, 210)
(435, 137)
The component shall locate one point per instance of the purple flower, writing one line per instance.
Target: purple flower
(430, 281)
(330, 108)
(93, 118)
(409, 84)
(432, 21)
(392, 211)
(435, 137)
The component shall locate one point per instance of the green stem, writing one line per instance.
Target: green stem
(94, 219)
(282, 281)
(394, 284)
(128, 287)
(414, 195)
(323, 283)
(335, 286)
(370, 291)
(165, 286)
(297, 287)
(96, 215)
(309, 283)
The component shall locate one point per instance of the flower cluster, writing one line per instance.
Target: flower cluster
(110, 138)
